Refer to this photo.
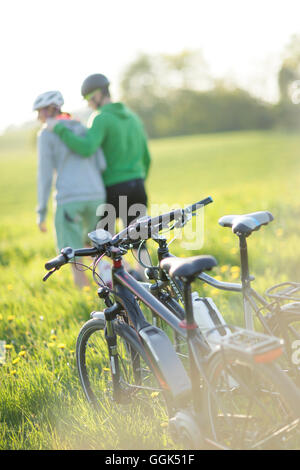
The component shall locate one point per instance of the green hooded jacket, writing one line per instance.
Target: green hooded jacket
(120, 134)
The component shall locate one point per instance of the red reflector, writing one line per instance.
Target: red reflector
(117, 263)
(268, 356)
(183, 324)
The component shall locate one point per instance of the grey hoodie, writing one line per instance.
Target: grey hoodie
(77, 178)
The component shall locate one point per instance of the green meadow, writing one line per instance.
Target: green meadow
(42, 405)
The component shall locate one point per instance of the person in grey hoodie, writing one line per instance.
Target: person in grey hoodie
(79, 185)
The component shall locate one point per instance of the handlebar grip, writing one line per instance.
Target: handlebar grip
(67, 254)
(87, 251)
(60, 260)
(204, 202)
(191, 208)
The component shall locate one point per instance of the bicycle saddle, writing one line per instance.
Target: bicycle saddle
(187, 267)
(247, 223)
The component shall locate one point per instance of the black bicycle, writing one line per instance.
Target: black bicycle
(280, 315)
(229, 395)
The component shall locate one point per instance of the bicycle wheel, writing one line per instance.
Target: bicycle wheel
(250, 405)
(288, 328)
(137, 379)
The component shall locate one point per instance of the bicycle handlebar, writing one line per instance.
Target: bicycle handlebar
(146, 223)
(194, 207)
(56, 262)
(124, 237)
(67, 254)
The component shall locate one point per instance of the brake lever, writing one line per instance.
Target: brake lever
(49, 274)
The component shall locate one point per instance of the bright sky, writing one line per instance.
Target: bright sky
(56, 44)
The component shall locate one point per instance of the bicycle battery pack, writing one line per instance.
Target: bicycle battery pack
(173, 376)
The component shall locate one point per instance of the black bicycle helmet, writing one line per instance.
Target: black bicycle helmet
(94, 82)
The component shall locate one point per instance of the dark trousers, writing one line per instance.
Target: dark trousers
(129, 201)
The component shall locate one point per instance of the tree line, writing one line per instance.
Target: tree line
(175, 95)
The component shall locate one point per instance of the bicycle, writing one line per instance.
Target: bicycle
(282, 319)
(276, 317)
(231, 395)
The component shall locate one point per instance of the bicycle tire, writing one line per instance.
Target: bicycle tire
(252, 381)
(140, 385)
(291, 317)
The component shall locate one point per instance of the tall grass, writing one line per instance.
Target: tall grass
(41, 403)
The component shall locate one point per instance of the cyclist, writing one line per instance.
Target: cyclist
(121, 134)
(79, 184)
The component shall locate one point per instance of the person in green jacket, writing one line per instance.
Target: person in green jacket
(120, 133)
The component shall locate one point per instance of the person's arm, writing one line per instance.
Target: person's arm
(45, 174)
(101, 160)
(84, 145)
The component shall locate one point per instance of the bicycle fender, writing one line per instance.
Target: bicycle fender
(163, 357)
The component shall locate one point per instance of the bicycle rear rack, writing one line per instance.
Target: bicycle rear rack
(258, 347)
(285, 291)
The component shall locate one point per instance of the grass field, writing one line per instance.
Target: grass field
(41, 403)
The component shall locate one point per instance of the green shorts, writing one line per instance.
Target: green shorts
(73, 221)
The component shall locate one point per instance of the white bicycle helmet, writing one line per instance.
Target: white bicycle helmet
(48, 98)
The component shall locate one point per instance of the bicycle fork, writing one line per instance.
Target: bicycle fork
(110, 312)
(111, 340)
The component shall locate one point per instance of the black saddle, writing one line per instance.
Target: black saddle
(187, 267)
(247, 223)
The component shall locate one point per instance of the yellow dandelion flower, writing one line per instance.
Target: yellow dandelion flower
(53, 337)
(1, 317)
(164, 424)
(154, 394)
(218, 278)
(86, 289)
(13, 372)
(224, 268)
(15, 361)
(10, 317)
(235, 269)
(10, 287)
(235, 275)
(8, 346)
(233, 251)
(22, 353)
(61, 346)
(50, 345)
(106, 369)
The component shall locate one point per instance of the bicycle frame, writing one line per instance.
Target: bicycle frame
(250, 296)
(244, 288)
(172, 375)
(251, 299)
